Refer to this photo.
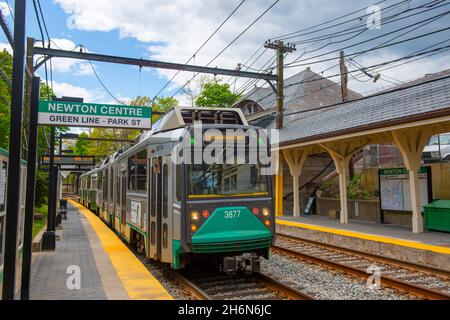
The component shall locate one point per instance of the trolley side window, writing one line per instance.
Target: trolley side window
(165, 190)
(137, 171)
(178, 182)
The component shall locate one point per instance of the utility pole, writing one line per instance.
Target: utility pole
(27, 104)
(31, 184)
(343, 70)
(344, 97)
(281, 49)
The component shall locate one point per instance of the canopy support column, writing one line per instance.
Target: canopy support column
(341, 152)
(295, 159)
(410, 144)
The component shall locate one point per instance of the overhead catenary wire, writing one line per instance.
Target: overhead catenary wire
(368, 50)
(202, 46)
(418, 53)
(378, 46)
(103, 85)
(229, 44)
(298, 32)
(384, 21)
(431, 19)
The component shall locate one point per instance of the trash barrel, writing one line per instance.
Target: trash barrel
(437, 215)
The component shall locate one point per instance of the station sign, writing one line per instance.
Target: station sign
(69, 160)
(82, 114)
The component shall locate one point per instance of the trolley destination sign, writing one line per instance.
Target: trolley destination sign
(69, 160)
(77, 114)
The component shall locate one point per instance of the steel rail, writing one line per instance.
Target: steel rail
(190, 286)
(290, 292)
(372, 256)
(385, 280)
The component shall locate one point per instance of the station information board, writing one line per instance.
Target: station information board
(395, 191)
(69, 160)
(82, 114)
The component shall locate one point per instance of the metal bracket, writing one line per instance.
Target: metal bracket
(273, 87)
(38, 65)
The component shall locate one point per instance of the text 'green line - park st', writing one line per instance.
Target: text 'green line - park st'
(76, 114)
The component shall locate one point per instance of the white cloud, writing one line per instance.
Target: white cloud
(69, 90)
(173, 30)
(4, 9)
(66, 65)
(6, 47)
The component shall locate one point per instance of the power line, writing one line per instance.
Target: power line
(226, 47)
(103, 85)
(368, 50)
(203, 44)
(360, 31)
(424, 22)
(43, 21)
(407, 57)
(9, 9)
(287, 35)
(383, 21)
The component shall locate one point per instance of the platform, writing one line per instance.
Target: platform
(429, 248)
(109, 270)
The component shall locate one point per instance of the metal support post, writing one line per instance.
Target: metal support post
(15, 146)
(31, 182)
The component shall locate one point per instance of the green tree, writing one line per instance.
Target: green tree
(5, 98)
(81, 146)
(215, 94)
(163, 104)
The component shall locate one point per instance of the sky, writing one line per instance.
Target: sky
(173, 30)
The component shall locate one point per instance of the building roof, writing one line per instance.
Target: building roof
(404, 104)
(302, 91)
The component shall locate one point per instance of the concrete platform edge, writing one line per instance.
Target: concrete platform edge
(413, 255)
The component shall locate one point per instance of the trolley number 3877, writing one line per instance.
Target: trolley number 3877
(232, 214)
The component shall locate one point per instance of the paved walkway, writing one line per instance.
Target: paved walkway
(48, 277)
(108, 269)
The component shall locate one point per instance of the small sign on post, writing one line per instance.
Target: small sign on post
(69, 160)
(82, 114)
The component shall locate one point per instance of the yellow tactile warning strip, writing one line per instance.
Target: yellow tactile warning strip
(137, 280)
(365, 236)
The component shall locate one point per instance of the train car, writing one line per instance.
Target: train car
(89, 189)
(4, 155)
(176, 212)
(105, 196)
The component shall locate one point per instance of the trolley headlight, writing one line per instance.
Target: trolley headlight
(267, 223)
(193, 227)
(205, 214)
(265, 212)
(195, 215)
(255, 211)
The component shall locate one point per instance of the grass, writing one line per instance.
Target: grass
(39, 224)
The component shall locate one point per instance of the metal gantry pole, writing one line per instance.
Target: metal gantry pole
(15, 146)
(49, 238)
(31, 183)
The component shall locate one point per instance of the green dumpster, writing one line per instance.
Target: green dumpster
(437, 215)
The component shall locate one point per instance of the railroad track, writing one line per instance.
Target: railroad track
(210, 285)
(421, 281)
